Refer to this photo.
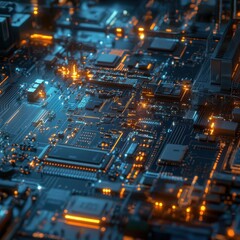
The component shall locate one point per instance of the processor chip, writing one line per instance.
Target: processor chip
(107, 60)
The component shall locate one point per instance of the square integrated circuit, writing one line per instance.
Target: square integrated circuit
(107, 60)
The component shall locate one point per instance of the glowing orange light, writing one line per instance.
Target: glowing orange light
(119, 30)
(152, 26)
(142, 36)
(106, 191)
(202, 208)
(81, 224)
(3, 81)
(183, 39)
(122, 192)
(230, 233)
(23, 42)
(74, 72)
(38, 235)
(81, 219)
(158, 204)
(144, 105)
(35, 10)
(41, 37)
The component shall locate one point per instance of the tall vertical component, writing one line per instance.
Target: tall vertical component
(225, 59)
(5, 33)
(227, 10)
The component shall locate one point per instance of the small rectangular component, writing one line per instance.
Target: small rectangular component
(163, 44)
(225, 127)
(169, 91)
(173, 153)
(131, 150)
(87, 210)
(107, 60)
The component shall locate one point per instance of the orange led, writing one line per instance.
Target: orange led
(230, 233)
(119, 30)
(142, 36)
(188, 210)
(41, 37)
(81, 219)
(158, 204)
(203, 208)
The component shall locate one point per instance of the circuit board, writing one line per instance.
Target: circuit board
(119, 120)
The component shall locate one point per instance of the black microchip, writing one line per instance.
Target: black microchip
(132, 63)
(107, 60)
(74, 155)
(163, 44)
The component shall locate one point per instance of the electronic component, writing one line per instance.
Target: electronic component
(107, 60)
(173, 154)
(70, 156)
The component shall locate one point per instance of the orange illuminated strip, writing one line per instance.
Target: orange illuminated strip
(12, 117)
(41, 36)
(235, 70)
(85, 225)
(121, 133)
(4, 80)
(124, 58)
(149, 66)
(152, 26)
(122, 192)
(81, 219)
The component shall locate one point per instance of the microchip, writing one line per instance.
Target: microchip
(86, 206)
(92, 17)
(107, 60)
(169, 91)
(75, 156)
(163, 44)
(131, 63)
(173, 153)
(225, 127)
(56, 198)
(91, 210)
(93, 103)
